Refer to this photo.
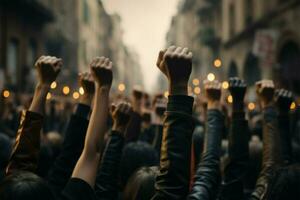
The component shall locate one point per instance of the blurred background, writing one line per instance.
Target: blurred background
(252, 39)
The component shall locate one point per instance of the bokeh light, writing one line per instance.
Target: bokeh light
(211, 77)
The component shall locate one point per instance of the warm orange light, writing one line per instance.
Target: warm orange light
(225, 85)
(53, 85)
(166, 94)
(66, 90)
(121, 87)
(293, 106)
(251, 106)
(229, 99)
(196, 81)
(6, 93)
(211, 77)
(81, 90)
(217, 63)
(197, 90)
(76, 95)
(49, 95)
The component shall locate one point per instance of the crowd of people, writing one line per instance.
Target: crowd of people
(141, 148)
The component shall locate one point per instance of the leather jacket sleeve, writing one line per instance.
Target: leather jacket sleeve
(207, 178)
(236, 168)
(271, 152)
(64, 164)
(172, 181)
(285, 137)
(27, 145)
(106, 186)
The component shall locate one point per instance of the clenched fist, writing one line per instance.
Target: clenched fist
(176, 64)
(213, 94)
(86, 81)
(237, 88)
(265, 90)
(101, 69)
(284, 99)
(121, 116)
(48, 68)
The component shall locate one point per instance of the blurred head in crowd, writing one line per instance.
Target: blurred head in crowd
(24, 185)
(141, 184)
(136, 155)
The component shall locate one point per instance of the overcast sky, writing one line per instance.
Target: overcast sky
(145, 24)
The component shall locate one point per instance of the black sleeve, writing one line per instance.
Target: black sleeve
(238, 155)
(78, 189)
(106, 186)
(73, 144)
(207, 178)
(173, 179)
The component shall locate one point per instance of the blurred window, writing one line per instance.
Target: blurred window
(249, 12)
(31, 53)
(231, 20)
(13, 59)
(86, 12)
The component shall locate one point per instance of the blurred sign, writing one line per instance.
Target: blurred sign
(265, 45)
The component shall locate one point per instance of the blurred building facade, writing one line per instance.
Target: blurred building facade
(252, 39)
(75, 30)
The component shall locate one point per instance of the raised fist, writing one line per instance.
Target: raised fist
(237, 88)
(176, 64)
(283, 99)
(121, 116)
(212, 90)
(86, 81)
(265, 91)
(48, 68)
(101, 70)
(137, 93)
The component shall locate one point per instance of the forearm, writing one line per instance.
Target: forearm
(39, 98)
(97, 126)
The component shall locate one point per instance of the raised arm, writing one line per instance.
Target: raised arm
(238, 152)
(172, 181)
(107, 179)
(27, 145)
(73, 144)
(208, 177)
(86, 167)
(284, 99)
(271, 138)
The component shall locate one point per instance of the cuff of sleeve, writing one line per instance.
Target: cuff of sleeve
(83, 110)
(180, 103)
(31, 115)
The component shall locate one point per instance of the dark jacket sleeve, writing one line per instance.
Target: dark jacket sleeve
(207, 178)
(133, 131)
(236, 167)
(285, 137)
(73, 144)
(106, 186)
(172, 181)
(271, 152)
(27, 145)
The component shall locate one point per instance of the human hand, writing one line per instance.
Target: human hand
(265, 90)
(213, 94)
(101, 70)
(237, 88)
(121, 115)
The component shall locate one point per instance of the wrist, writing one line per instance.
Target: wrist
(214, 105)
(178, 89)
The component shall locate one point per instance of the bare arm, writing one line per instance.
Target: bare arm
(86, 167)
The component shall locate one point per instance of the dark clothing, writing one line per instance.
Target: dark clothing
(238, 155)
(27, 145)
(148, 135)
(271, 153)
(172, 181)
(134, 128)
(285, 137)
(73, 144)
(77, 189)
(106, 186)
(207, 178)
